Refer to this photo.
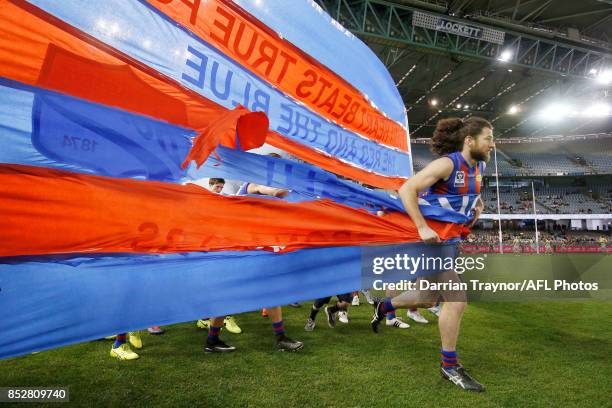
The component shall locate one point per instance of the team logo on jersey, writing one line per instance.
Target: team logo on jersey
(479, 178)
(460, 179)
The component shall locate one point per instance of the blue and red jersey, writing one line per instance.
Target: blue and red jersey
(460, 192)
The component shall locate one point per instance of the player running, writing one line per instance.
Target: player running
(452, 180)
(332, 313)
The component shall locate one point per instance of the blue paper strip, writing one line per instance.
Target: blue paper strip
(51, 302)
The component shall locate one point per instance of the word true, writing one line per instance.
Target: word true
(412, 265)
(269, 56)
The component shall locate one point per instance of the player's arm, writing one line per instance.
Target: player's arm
(439, 169)
(253, 188)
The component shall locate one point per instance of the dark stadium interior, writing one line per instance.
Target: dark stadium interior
(446, 75)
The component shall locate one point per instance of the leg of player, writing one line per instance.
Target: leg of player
(392, 319)
(404, 300)
(316, 306)
(213, 343)
(449, 323)
(121, 349)
(283, 342)
(332, 312)
(450, 369)
(344, 301)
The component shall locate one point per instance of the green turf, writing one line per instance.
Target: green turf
(527, 354)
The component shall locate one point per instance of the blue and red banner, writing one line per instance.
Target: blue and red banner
(108, 111)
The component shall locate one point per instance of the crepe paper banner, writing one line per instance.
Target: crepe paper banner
(61, 58)
(51, 211)
(48, 302)
(44, 128)
(250, 42)
(203, 69)
(311, 183)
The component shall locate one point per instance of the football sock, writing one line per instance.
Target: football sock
(279, 329)
(120, 339)
(213, 333)
(448, 358)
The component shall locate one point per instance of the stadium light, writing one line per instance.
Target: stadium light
(604, 77)
(555, 112)
(466, 107)
(433, 102)
(593, 71)
(513, 110)
(458, 106)
(505, 56)
(598, 110)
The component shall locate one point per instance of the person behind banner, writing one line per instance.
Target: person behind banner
(332, 313)
(216, 186)
(453, 182)
(283, 342)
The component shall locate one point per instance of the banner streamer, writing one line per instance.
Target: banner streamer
(44, 212)
(64, 295)
(195, 64)
(106, 109)
(246, 40)
(61, 58)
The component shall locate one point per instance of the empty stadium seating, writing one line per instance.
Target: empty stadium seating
(586, 157)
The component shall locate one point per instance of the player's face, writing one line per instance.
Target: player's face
(483, 145)
(217, 187)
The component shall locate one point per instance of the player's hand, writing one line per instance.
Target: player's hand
(428, 235)
(476, 211)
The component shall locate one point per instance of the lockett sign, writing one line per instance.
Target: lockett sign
(458, 28)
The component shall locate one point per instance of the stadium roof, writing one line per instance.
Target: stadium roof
(550, 63)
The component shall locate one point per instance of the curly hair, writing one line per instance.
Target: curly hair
(450, 133)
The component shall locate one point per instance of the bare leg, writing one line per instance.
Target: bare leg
(275, 314)
(282, 341)
(449, 324)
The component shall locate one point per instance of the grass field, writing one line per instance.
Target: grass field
(527, 354)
